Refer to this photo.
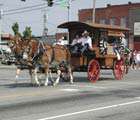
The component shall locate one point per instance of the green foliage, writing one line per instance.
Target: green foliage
(15, 28)
(27, 33)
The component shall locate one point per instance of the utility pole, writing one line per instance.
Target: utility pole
(45, 29)
(1, 13)
(93, 15)
(69, 6)
(48, 3)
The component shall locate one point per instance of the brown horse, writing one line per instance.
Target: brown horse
(45, 55)
(62, 57)
(17, 46)
(39, 57)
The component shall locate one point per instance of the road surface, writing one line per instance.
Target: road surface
(108, 99)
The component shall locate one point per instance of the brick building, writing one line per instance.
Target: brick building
(123, 15)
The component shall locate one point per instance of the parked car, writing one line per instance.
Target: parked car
(8, 59)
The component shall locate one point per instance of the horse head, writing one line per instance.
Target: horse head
(15, 45)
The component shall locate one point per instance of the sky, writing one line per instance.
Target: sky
(55, 15)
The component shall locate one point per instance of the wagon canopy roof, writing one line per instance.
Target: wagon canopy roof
(77, 24)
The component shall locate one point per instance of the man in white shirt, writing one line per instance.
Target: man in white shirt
(123, 40)
(86, 41)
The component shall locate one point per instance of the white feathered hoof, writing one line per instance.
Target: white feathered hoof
(46, 84)
(71, 82)
(54, 84)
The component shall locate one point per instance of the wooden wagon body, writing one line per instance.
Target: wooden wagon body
(93, 64)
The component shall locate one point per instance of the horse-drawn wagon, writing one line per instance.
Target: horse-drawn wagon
(97, 59)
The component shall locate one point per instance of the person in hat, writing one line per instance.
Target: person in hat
(86, 42)
(75, 45)
(123, 40)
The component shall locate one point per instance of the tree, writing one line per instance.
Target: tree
(27, 33)
(15, 28)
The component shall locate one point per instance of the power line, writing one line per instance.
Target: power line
(26, 9)
(23, 11)
(11, 10)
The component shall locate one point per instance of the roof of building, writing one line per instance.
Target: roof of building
(111, 6)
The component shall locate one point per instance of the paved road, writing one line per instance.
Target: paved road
(108, 99)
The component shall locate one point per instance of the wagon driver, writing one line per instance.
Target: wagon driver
(86, 42)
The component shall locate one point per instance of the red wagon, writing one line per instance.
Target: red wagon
(97, 61)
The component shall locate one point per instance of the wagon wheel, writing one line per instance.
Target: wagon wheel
(119, 69)
(93, 70)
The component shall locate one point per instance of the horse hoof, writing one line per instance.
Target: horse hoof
(54, 84)
(46, 84)
(71, 83)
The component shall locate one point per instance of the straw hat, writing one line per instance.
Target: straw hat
(85, 33)
(122, 35)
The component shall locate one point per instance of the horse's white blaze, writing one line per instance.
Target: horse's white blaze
(25, 56)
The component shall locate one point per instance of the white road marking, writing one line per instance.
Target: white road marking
(98, 87)
(137, 97)
(129, 83)
(86, 86)
(90, 110)
(69, 90)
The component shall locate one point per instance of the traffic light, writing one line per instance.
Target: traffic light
(50, 3)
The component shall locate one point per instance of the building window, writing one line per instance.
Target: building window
(123, 21)
(88, 19)
(102, 21)
(113, 21)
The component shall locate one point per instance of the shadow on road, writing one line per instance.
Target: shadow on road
(15, 85)
(76, 79)
(84, 79)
